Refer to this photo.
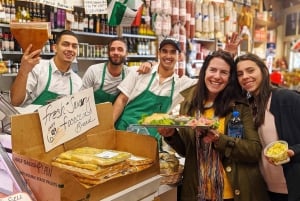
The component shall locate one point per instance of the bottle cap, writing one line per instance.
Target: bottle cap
(235, 113)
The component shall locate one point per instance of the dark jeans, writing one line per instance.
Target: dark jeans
(278, 196)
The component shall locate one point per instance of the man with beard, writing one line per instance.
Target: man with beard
(150, 93)
(39, 81)
(105, 77)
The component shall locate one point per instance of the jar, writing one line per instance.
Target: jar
(15, 67)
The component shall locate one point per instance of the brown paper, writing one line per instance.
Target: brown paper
(35, 33)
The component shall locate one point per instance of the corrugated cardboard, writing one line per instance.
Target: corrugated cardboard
(51, 183)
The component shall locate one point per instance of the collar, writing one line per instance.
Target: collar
(56, 71)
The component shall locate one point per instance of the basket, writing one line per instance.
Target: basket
(173, 178)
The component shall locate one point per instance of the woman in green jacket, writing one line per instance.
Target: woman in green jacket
(218, 166)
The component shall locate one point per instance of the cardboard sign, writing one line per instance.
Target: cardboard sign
(68, 117)
(17, 197)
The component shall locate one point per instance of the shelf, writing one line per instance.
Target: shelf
(92, 59)
(138, 36)
(82, 33)
(21, 53)
(204, 40)
(142, 56)
(198, 61)
(9, 74)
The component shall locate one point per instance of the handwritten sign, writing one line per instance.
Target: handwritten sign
(67, 118)
(95, 6)
(17, 197)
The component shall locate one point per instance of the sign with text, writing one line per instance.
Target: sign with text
(95, 6)
(64, 4)
(67, 118)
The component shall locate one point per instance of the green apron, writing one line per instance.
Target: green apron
(146, 103)
(47, 95)
(102, 96)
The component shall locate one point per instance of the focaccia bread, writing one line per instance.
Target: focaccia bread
(138, 160)
(92, 174)
(95, 156)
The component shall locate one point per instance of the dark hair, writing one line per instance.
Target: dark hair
(117, 39)
(258, 101)
(64, 32)
(225, 100)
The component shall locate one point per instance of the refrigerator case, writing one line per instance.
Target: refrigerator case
(12, 181)
(6, 111)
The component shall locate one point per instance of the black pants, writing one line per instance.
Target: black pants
(278, 196)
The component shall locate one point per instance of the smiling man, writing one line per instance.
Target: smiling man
(40, 81)
(150, 93)
(105, 77)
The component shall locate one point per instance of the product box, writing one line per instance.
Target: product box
(51, 183)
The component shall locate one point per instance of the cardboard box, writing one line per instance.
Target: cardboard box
(51, 183)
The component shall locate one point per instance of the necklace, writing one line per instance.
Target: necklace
(208, 104)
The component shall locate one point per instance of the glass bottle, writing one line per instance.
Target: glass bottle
(91, 23)
(97, 24)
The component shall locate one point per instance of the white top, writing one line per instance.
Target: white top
(93, 78)
(267, 133)
(134, 84)
(60, 82)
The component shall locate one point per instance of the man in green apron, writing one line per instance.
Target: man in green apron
(105, 77)
(151, 93)
(40, 81)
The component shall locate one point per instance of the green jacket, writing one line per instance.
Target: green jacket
(240, 157)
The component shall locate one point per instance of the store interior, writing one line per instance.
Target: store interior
(268, 28)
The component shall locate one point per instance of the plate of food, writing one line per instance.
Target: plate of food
(176, 121)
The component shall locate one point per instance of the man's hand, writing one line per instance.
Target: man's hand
(29, 59)
(232, 43)
(145, 67)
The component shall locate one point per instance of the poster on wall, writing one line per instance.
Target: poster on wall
(271, 50)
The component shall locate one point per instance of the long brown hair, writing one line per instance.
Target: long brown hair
(226, 98)
(258, 101)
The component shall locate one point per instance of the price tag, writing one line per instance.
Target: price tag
(107, 154)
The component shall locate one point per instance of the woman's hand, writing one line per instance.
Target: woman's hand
(211, 136)
(166, 132)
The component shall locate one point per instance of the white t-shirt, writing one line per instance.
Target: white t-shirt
(60, 82)
(93, 78)
(134, 84)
